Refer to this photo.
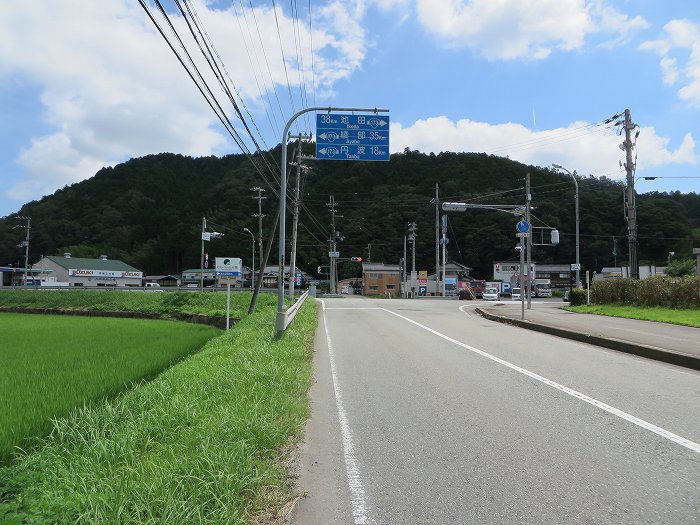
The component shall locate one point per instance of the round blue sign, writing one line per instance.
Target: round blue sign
(523, 226)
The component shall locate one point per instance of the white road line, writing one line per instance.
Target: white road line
(461, 309)
(352, 308)
(695, 447)
(360, 509)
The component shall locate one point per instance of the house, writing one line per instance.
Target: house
(380, 278)
(83, 272)
(162, 280)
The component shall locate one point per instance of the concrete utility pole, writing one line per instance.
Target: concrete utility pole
(630, 167)
(437, 241)
(405, 264)
(331, 204)
(444, 251)
(201, 260)
(260, 216)
(25, 244)
(295, 225)
(412, 227)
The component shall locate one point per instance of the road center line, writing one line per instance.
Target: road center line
(695, 447)
(360, 509)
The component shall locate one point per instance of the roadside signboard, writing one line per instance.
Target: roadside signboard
(575, 266)
(352, 137)
(334, 254)
(228, 266)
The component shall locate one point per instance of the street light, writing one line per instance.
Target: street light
(252, 278)
(578, 262)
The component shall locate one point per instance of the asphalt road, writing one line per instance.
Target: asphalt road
(425, 413)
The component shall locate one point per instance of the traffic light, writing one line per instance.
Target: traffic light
(356, 259)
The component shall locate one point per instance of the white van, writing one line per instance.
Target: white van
(515, 294)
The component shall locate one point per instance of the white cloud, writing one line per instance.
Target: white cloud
(579, 146)
(512, 29)
(679, 48)
(111, 88)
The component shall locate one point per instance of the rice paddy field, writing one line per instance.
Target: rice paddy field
(51, 364)
(203, 437)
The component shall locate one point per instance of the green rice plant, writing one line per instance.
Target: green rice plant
(160, 304)
(51, 364)
(201, 443)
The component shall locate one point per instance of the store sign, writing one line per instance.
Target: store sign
(228, 266)
(115, 274)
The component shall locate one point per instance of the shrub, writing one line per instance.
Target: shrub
(681, 292)
(577, 297)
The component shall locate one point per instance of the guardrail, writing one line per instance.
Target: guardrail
(284, 319)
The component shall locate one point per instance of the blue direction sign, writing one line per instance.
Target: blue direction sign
(522, 226)
(352, 137)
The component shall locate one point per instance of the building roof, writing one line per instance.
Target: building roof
(380, 267)
(80, 263)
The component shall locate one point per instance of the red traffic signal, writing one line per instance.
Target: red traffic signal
(356, 259)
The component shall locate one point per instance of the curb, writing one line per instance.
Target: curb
(650, 352)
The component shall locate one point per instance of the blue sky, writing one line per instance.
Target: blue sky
(91, 84)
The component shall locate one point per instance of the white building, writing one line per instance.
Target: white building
(78, 271)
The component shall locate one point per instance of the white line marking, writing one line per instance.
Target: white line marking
(360, 509)
(353, 308)
(465, 312)
(695, 447)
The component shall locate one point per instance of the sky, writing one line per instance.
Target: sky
(85, 85)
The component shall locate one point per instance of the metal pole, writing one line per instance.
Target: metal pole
(252, 276)
(578, 260)
(528, 244)
(522, 277)
(279, 324)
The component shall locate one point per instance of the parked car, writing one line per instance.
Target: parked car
(515, 294)
(491, 294)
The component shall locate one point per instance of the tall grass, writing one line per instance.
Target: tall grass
(50, 364)
(200, 444)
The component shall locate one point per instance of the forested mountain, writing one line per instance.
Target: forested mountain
(148, 212)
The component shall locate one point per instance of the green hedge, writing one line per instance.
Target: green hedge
(676, 292)
(578, 297)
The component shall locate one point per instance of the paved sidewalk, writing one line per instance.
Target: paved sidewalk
(679, 345)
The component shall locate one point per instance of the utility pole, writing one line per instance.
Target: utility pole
(293, 256)
(630, 167)
(437, 241)
(528, 198)
(444, 251)
(201, 260)
(260, 216)
(405, 264)
(331, 204)
(614, 252)
(412, 227)
(25, 244)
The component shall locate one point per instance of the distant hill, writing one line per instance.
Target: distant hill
(148, 212)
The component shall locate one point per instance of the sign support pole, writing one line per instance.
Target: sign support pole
(228, 304)
(279, 320)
